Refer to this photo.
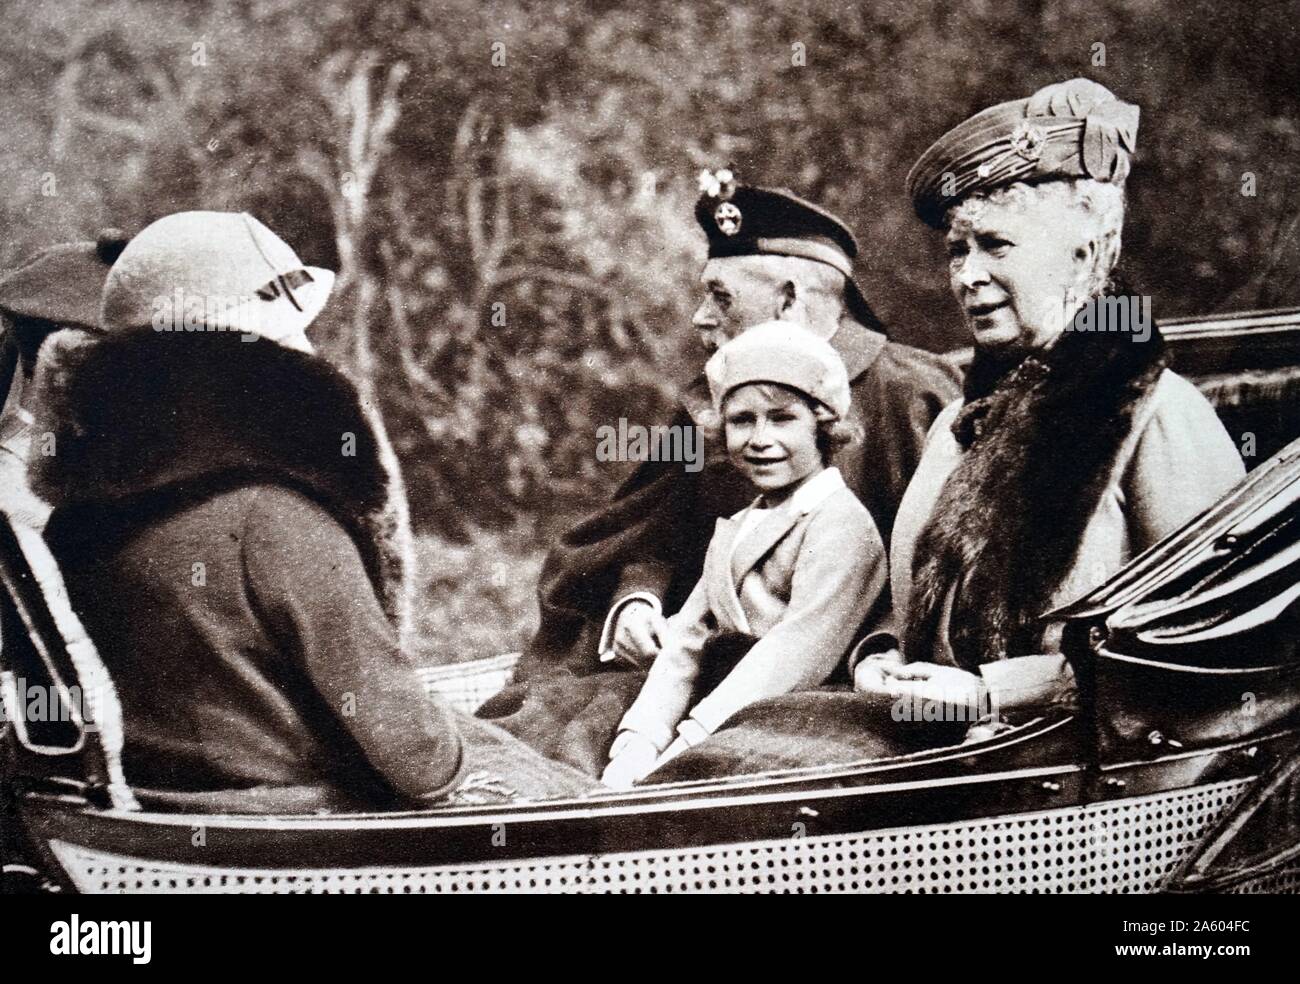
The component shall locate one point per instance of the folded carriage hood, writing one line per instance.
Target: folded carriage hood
(1193, 645)
(1208, 592)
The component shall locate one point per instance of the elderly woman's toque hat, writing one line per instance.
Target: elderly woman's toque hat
(1074, 129)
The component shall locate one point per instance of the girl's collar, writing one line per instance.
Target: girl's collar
(809, 495)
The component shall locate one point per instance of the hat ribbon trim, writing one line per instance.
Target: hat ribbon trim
(1001, 160)
(806, 250)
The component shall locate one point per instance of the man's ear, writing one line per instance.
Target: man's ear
(787, 296)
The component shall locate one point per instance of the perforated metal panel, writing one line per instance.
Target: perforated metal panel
(465, 686)
(1122, 846)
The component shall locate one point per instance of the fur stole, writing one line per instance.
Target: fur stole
(1040, 443)
(146, 421)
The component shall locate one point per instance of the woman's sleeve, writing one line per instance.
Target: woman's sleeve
(308, 580)
(1184, 462)
(840, 585)
(666, 693)
(1039, 680)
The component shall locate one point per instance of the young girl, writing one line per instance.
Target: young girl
(800, 570)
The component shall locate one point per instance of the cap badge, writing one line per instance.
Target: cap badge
(720, 184)
(1027, 140)
(728, 218)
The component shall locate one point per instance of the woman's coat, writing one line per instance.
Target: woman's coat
(221, 515)
(1175, 460)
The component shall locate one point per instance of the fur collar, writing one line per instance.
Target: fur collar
(1040, 444)
(147, 421)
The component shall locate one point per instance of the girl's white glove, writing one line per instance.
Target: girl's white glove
(631, 758)
(689, 734)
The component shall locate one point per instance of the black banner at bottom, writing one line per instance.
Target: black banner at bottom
(144, 934)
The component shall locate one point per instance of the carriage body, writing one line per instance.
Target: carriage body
(1020, 812)
(1146, 785)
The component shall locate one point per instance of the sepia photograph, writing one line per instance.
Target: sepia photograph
(698, 447)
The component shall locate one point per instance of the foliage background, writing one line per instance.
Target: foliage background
(514, 240)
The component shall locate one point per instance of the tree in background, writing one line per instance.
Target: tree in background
(506, 188)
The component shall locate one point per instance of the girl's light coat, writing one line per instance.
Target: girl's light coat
(806, 579)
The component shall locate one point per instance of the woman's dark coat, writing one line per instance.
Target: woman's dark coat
(223, 523)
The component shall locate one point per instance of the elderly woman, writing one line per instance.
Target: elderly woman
(1073, 449)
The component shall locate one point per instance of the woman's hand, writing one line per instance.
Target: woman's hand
(871, 674)
(936, 684)
(631, 757)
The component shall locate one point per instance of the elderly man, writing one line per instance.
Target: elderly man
(608, 584)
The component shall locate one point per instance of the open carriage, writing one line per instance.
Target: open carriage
(1180, 769)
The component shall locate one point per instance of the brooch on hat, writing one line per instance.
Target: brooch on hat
(721, 184)
(1027, 140)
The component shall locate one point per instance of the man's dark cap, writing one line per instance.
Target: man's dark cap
(62, 284)
(746, 220)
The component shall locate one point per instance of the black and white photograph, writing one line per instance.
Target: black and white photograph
(698, 447)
